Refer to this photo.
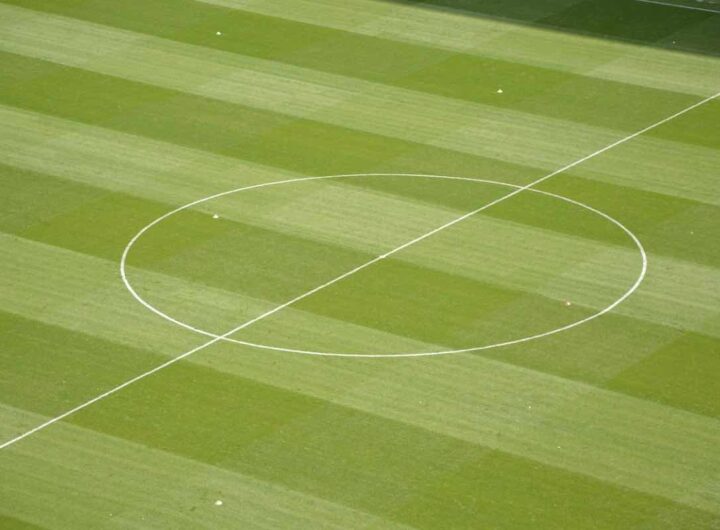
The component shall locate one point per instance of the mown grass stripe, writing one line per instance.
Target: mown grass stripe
(215, 309)
(97, 475)
(190, 251)
(183, 491)
(188, 246)
(641, 426)
(512, 137)
(201, 123)
(486, 435)
(422, 394)
(170, 173)
(545, 92)
(13, 523)
(499, 38)
(274, 420)
(40, 292)
(371, 107)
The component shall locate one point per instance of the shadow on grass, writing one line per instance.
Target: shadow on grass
(625, 20)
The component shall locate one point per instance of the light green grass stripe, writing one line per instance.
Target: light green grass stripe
(15, 421)
(50, 294)
(27, 136)
(663, 166)
(148, 488)
(504, 260)
(162, 172)
(71, 290)
(376, 222)
(44, 282)
(466, 127)
(488, 250)
(630, 442)
(133, 165)
(122, 162)
(175, 175)
(487, 37)
(569, 425)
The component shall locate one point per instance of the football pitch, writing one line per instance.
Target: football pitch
(359, 264)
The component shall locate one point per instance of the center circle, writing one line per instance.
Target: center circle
(512, 188)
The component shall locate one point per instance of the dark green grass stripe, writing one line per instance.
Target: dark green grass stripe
(261, 257)
(8, 522)
(535, 90)
(632, 21)
(384, 467)
(432, 306)
(699, 127)
(261, 251)
(71, 215)
(232, 130)
(617, 19)
(381, 466)
(567, 355)
(261, 260)
(682, 374)
(523, 12)
(672, 367)
(667, 225)
(68, 215)
(49, 369)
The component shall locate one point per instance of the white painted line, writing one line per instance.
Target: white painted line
(219, 338)
(668, 4)
(109, 393)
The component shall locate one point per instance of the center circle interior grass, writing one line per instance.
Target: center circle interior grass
(532, 266)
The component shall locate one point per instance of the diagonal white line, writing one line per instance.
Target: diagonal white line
(668, 4)
(346, 274)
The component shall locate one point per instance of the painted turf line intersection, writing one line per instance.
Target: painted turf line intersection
(226, 335)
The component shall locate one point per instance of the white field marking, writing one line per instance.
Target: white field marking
(633, 287)
(668, 4)
(518, 189)
(220, 338)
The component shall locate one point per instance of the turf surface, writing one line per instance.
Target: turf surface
(114, 113)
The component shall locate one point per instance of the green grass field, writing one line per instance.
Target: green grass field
(113, 114)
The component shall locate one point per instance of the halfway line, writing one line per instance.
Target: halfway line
(348, 273)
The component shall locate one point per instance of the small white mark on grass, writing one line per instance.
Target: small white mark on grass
(500, 91)
(216, 216)
(218, 33)
(568, 303)
(218, 502)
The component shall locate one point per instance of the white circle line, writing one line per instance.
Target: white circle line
(143, 231)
